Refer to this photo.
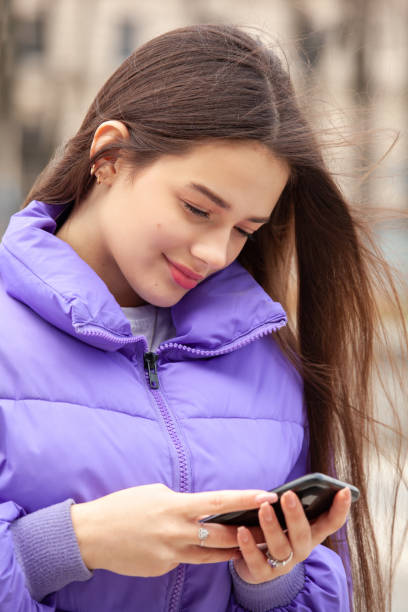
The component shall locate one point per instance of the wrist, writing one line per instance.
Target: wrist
(85, 531)
(276, 593)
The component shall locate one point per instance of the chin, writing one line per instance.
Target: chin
(163, 301)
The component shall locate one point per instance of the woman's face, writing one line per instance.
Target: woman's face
(179, 220)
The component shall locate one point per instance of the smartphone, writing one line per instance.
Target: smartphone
(315, 491)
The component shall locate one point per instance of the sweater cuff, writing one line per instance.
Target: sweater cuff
(47, 549)
(275, 593)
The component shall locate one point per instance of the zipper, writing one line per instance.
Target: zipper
(258, 333)
(175, 596)
(152, 378)
(261, 331)
(150, 365)
(108, 335)
(183, 470)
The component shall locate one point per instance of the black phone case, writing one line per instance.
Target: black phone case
(315, 491)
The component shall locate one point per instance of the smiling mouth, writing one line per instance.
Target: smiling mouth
(183, 278)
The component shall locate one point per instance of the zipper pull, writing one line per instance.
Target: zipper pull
(150, 361)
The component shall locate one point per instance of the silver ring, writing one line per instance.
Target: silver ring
(203, 534)
(275, 562)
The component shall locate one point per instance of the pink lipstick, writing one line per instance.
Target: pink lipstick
(183, 276)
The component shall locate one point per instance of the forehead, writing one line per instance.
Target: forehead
(241, 173)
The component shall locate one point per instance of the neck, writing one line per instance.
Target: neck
(81, 231)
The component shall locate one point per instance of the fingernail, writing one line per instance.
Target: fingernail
(243, 534)
(267, 512)
(266, 497)
(346, 495)
(290, 499)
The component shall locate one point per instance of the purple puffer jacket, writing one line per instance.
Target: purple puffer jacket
(79, 419)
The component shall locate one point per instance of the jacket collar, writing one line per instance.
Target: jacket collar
(47, 275)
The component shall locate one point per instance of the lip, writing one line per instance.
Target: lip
(183, 276)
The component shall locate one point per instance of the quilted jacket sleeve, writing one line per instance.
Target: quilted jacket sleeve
(14, 595)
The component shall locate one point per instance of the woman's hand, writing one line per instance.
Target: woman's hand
(149, 530)
(300, 539)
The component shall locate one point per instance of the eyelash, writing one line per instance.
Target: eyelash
(203, 213)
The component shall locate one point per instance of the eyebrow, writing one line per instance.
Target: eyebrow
(220, 202)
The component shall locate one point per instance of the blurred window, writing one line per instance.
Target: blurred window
(29, 36)
(36, 151)
(127, 33)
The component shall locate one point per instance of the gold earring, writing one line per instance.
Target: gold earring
(92, 170)
(98, 179)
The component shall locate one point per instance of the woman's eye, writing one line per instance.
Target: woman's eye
(246, 235)
(196, 211)
(203, 213)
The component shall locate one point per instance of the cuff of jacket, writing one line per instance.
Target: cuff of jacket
(275, 593)
(47, 549)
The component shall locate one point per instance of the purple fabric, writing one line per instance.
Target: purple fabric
(14, 595)
(262, 597)
(77, 419)
(47, 549)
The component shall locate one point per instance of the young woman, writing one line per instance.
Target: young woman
(148, 377)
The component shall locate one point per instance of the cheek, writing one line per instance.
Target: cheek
(234, 249)
(171, 233)
(116, 224)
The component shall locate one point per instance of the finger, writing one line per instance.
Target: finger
(332, 520)
(197, 555)
(277, 542)
(299, 530)
(257, 534)
(218, 536)
(254, 558)
(216, 502)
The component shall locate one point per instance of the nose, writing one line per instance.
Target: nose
(212, 248)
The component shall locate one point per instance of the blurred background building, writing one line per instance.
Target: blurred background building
(57, 53)
(351, 55)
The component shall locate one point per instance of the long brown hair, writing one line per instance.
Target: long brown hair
(208, 82)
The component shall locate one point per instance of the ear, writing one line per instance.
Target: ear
(107, 133)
